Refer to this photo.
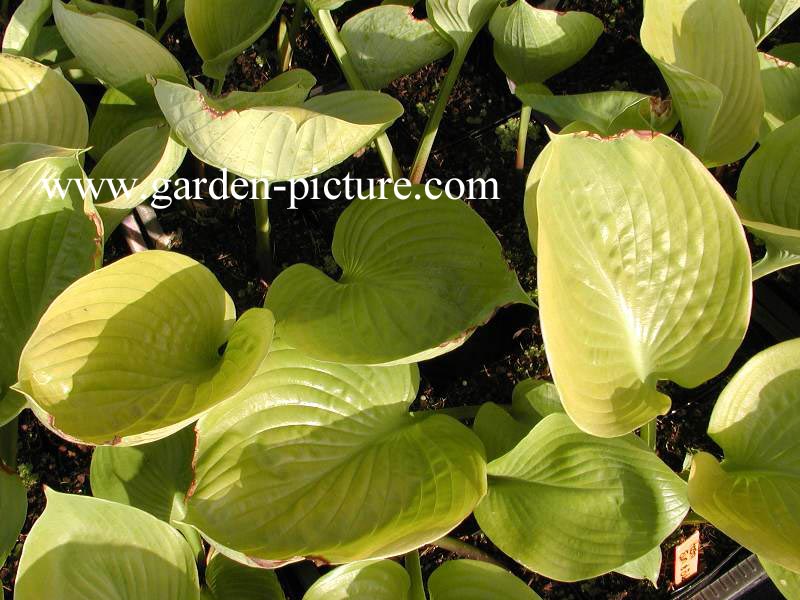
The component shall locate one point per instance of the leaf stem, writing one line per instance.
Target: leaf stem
(263, 230)
(297, 21)
(414, 570)
(463, 549)
(4, 12)
(432, 127)
(217, 89)
(284, 46)
(774, 260)
(149, 12)
(648, 433)
(522, 140)
(331, 33)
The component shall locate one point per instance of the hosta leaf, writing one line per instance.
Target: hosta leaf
(459, 21)
(387, 42)
(431, 263)
(277, 142)
(13, 508)
(222, 29)
(131, 353)
(787, 52)
(498, 430)
(533, 399)
(119, 114)
(365, 580)
(287, 89)
(24, 27)
(474, 580)
(114, 50)
(144, 158)
(37, 105)
(765, 15)
(533, 44)
(88, 548)
(230, 580)
(643, 244)
(572, 506)
(45, 244)
(781, 81)
(325, 4)
(768, 198)
(9, 435)
(646, 567)
(753, 496)
(788, 582)
(152, 477)
(604, 113)
(375, 480)
(706, 53)
(90, 8)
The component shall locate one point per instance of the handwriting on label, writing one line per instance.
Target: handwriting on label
(687, 557)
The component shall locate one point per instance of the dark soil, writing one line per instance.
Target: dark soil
(499, 355)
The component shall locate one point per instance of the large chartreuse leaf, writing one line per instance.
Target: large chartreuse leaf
(25, 26)
(83, 548)
(765, 15)
(386, 42)
(229, 580)
(152, 477)
(276, 142)
(115, 51)
(753, 496)
(644, 246)
(222, 29)
(324, 460)
(781, 81)
(132, 353)
(572, 506)
(418, 277)
(459, 21)
(533, 44)
(365, 580)
(706, 53)
(37, 105)
(473, 580)
(768, 198)
(788, 582)
(604, 113)
(46, 243)
(143, 160)
(13, 509)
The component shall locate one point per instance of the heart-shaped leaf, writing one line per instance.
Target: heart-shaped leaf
(142, 160)
(474, 580)
(88, 548)
(46, 243)
(533, 44)
(365, 580)
(24, 27)
(768, 198)
(14, 508)
(788, 582)
(229, 580)
(131, 353)
(431, 263)
(39, 106)
(533, 399)
(706, 53)
(765, 15)
(781, 81)
(645, 567)
(459, 21)
(152, 477)
(113, 50)
(222, 29)
(572, 506)
(644, 246)
(277, 142)
(753, 496)
(498, 430)
(375, 480)
(387, 42)
(603, 113)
